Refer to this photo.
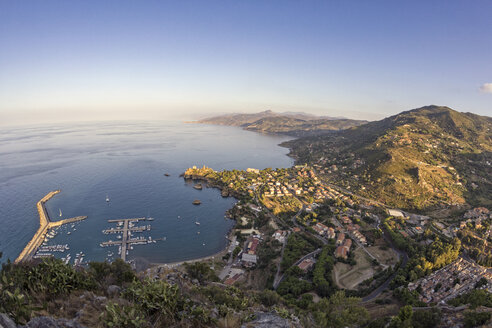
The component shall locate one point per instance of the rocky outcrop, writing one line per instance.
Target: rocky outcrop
(40, 322)
(6, 322)
(269, 320)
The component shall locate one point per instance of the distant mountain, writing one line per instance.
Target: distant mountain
(290, 123)
(300, 127)
(424, 158)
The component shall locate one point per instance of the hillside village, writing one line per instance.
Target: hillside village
(313, 222)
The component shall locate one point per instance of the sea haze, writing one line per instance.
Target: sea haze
(127, 162)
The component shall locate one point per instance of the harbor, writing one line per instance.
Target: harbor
(30, 251)
(125, 229)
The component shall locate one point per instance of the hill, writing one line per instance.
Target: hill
(295, 124)
(300, 127)
(425, 158)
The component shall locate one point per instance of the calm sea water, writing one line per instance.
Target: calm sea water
(127, 162)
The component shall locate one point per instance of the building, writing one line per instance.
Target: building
(252, 245)
(280, 235)
(341, 252)
(346, 220)
(306, 264)
(248, 259)
(396, 213)
(340, 238)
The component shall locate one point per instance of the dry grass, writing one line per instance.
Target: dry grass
(350, 277)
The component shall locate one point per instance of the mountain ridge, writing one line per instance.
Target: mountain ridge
(289, 123)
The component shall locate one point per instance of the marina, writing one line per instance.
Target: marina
(126, 228)
(45, 225)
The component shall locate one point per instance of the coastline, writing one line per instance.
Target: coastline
(219, 254)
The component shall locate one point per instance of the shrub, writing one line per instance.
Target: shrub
(116, 315)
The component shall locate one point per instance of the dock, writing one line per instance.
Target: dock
(126, 228)
(45, 224)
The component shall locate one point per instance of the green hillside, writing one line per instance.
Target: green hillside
(425, 158)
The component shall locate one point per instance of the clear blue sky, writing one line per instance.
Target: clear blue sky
(140, 59)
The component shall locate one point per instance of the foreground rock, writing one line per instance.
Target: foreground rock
(269, 320)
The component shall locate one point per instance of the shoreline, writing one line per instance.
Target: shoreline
(198, 259)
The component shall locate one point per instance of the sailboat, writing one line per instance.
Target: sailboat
(107, 199)
(60, 213)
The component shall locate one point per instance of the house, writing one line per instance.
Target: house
(306, 264)
(280, 235)
(320, 228)
(343, 249)
(330, 233)
(252, 245)
(249, 259)
(346, 220)
(341, 252)
(347, 243)
(340, 238)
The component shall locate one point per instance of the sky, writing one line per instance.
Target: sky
(97, 60)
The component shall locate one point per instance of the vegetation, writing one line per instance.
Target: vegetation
(296, 247)
(476, 298)
(475, 319)
(322, 272)
(420, 159)
(339, 311)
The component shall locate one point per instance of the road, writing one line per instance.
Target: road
(404, 259)
(313, 253)
(375, 293)
(277, 275)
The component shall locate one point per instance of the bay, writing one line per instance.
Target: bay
(126, 162)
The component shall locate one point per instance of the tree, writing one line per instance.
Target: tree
(340, 311)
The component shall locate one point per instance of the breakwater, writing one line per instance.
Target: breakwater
(44, 225)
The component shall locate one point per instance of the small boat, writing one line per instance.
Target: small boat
(198, 186)
(196, 202)
(203, 244)
(150, 219)
(60, 213)
(179, 217)
(166, 174)
(197, 223)
(68, 233)
(107, 199)
(198, 232)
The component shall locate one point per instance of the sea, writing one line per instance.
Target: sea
(126, 163)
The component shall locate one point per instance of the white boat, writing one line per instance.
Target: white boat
(150, 219)
(107, 199)
(197, 223)
(60, 213)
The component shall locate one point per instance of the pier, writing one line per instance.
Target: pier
(126, 228)
(45, 224)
